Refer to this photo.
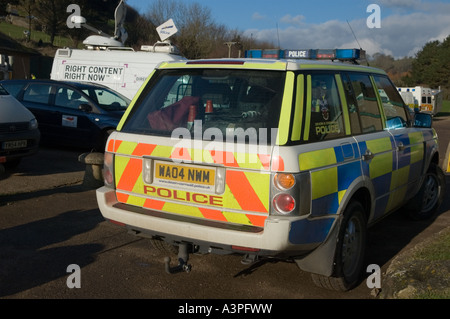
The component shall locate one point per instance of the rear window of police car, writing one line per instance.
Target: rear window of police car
(244, 101)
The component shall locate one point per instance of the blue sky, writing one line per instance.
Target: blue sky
(405, 25)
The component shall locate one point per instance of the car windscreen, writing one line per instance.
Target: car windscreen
(213, 103)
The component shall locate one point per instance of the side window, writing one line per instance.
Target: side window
(324, 110)
(69, 98)
(37, 93)
(107, 99)
(392, 102)
(362, 99)
(352, 106)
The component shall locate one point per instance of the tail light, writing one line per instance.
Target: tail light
(284, 203)
(291, 194)
(284, 181)
(108, 170)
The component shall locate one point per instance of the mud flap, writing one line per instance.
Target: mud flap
(321, 260)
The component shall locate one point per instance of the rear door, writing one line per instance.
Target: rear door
(377, 145)
(218, 170)
(409, 141)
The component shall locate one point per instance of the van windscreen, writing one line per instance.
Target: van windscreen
(213, 103)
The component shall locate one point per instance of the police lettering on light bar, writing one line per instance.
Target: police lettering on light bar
(317, 54)
(296, 54)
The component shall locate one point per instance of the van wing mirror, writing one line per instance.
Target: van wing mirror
(423, 120)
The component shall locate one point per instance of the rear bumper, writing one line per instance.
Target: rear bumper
(275, 239)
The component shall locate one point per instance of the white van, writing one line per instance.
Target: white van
(425, 99)
(121, 69)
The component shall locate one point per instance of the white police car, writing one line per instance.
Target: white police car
(281, 157)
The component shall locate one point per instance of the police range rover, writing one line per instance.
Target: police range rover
(281, 154)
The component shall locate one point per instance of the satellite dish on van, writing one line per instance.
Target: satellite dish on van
(166, 30)
(103, 40)
(119, 15)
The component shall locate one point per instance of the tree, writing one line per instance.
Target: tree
(140, 29)
(396, 68)
(52, 16)
(28, 7)
(431, 66)
(198, 35)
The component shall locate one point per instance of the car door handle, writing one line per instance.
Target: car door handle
(368, 156)
(400, 146)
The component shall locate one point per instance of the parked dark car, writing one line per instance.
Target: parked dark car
(19, 133)
(71, 113)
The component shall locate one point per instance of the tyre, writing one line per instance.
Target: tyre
(430, 196)
(350, 250)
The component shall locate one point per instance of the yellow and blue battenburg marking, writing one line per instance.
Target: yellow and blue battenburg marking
(392, 171)
(332, 172)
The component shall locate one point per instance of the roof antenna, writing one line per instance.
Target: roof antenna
(278, 36)
(356, 40)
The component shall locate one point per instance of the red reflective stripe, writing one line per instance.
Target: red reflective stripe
(144, 149)
(265, 160)
(117, 145)
(257, 220)
(217, 62)
(154, 204)
(278, 164)
(213, 214)
(130, 175)
(181, 153)
(123, 198)
(110, 147)
(244, 192)
(225, 158)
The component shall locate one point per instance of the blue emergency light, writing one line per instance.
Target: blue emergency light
(317, 54)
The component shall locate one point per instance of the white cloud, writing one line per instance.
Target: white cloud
(401, 4)
(288, 19)
(400, 35)
(258, 16)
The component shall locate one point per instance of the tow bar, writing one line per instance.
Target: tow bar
(183, 257)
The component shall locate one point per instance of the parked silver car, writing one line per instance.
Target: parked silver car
(19, 133)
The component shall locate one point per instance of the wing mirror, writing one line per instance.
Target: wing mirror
(423, 120)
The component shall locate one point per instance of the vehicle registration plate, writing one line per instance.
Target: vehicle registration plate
(14, 144)
(189, 176)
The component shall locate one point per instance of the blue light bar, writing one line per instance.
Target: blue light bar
(346, 54)
(318, 54)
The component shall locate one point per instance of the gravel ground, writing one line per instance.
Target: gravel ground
(410, 277)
